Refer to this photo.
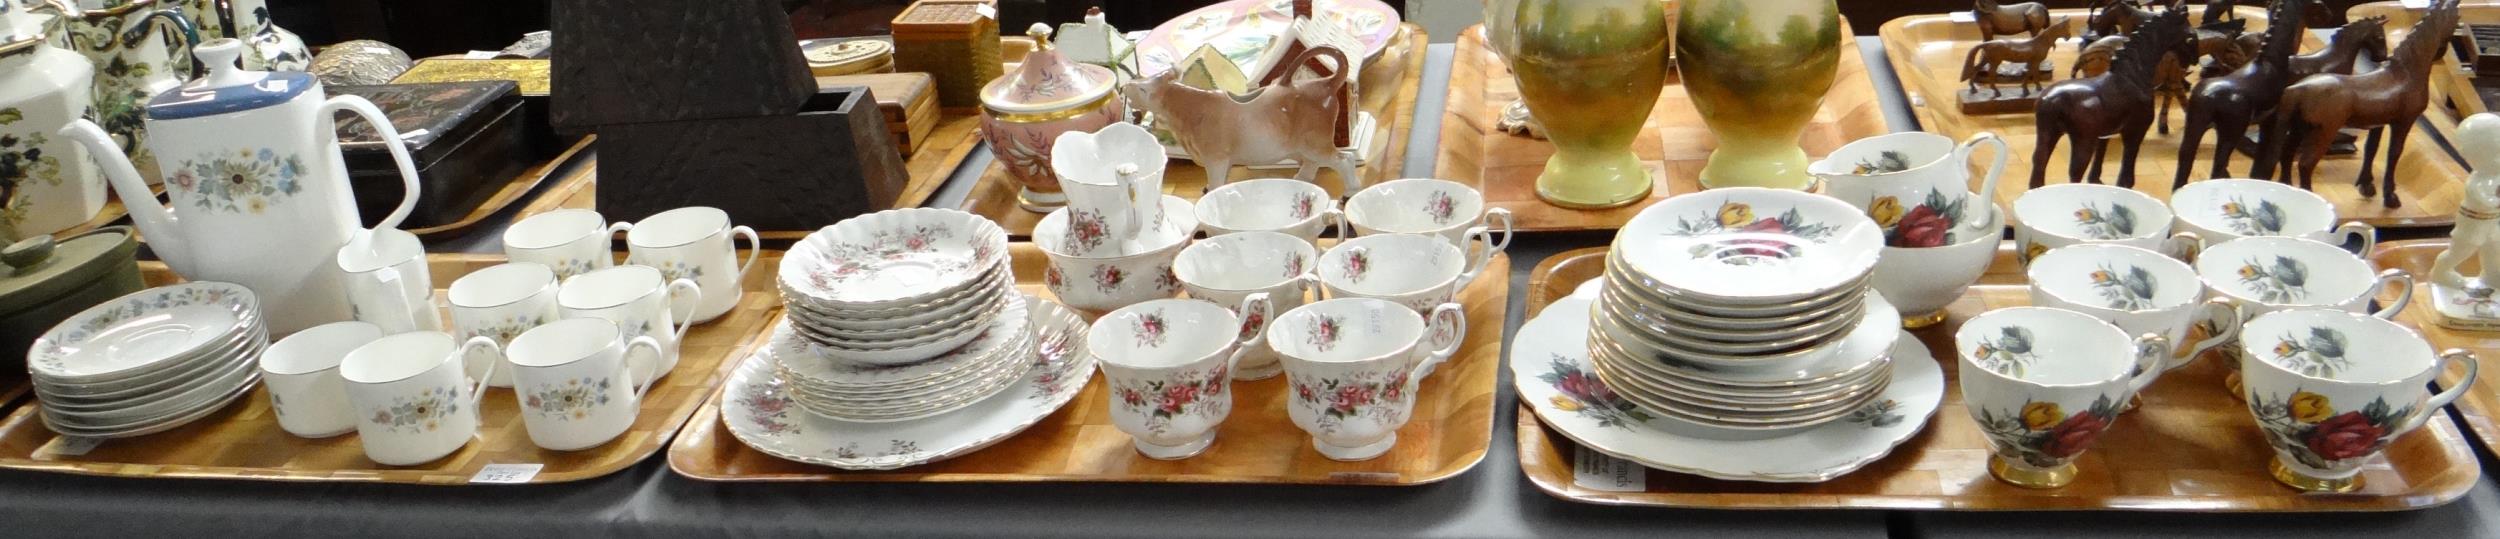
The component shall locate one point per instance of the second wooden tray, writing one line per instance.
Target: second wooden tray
(2481, 404)
(2191, 447)
(1452, 427)
(243, 441)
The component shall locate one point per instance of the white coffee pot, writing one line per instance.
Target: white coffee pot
(259, 193)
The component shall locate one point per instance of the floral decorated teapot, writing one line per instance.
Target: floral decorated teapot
(260, 195)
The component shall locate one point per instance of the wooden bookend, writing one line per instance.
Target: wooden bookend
(830, 161)
(640, 61)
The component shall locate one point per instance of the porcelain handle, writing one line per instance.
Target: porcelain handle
(1253, 329)
(2222, 314)
(1988, 184)
(189, 43)
(2399, 280)
(1509, 222)
(1310, 287)
(2356, 230)
(755, 246)
(2151, 350)
(1455, 318)
(1345, 226)
(2473, 367)
(404, 316)
(390, 137)
(682, 288)
(1478, 241)
(477, 392)
(627, 364)
(615, 228)
(2185, 246)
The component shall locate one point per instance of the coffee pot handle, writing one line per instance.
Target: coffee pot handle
(2398, 279)
(626, 363)
(390, 137)
(477, 394)
(682, 288)
(1987, 184)
(2445, 396)
(2151, 351)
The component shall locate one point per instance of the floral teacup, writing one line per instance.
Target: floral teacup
(499, 303)
(1168, 364)
(2330, 389)
(2138, 290)
(2266, 274)
(1354, 365)
(1228, 269)
(1293, 207)
(1921, 281)
(413, 402)
(1418, 271)
(1443, 208)
(570, 241)
(1916, 184)
(1098, 284)
(2079, 213)
(2227, 209)
(575, 380)
(2044, 383)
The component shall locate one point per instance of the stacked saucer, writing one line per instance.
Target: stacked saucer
(1745, 313)
(150, 361)
(899, 314)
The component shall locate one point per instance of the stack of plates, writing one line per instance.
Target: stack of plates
(150, 361)
(1745, 312)
(899, 315)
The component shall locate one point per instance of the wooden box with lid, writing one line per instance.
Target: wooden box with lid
(955, 41)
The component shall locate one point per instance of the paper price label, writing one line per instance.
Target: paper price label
(2416, 4)
(507, 473)
(1594, 470)
(1963, 16)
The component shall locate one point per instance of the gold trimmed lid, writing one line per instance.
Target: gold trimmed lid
(1047, 81)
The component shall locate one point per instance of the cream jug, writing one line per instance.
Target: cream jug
(259, 194)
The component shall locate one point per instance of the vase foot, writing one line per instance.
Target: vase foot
(1040, 202)
(1594, 182)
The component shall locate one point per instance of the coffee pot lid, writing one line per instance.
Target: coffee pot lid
(1047, 81)
(40, 270)
(228, 87)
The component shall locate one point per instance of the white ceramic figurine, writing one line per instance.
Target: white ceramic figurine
(2467, 302)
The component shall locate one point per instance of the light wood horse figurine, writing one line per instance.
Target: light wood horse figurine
(1283, 120)
(2351, 42)
(2008, 19)
(1984, 59)
(2096, 56)
(2393, 97)
(2114, 104)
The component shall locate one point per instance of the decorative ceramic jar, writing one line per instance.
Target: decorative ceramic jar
(259, 191)
(46, 183)
(266, 46)
(133, 63)
(1757, 70)
(1024, 112)
(1591, 69)
(46, 281)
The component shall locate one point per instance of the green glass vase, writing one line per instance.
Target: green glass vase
(1590, 70)
(1757, 70)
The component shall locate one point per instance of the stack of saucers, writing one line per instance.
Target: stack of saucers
(150, 361)
(1745, 313)
(899, 315)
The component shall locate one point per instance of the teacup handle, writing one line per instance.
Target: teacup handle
(1345, 226)
(693, 295)
(615, 228)
(1479, 241)
(755, 246)
(2399, 279)
(2345, 234)
(1451, 317)
(2184, 246)
(1988, 184)
(2151, 351)
(477, 392)
(2444, 397)
(627, 365)
(1253, 328)
(1310, 286)
(2224, 314)
(1509, 224)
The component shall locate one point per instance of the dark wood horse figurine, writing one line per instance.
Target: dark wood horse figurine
(2221, 10)
(2104, 18)
(2171, 77)
(2114, 104)
(2232, 102)
(2009, 19)
(2393, 97)
(1983, 59)
(2365, 36)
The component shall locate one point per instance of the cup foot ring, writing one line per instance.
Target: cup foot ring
(1176, 452)
(2030, 477)
(1924, 320)
(1356, 453)
(2285, 475)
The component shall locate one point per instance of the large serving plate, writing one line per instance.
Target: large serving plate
(2191, 447)
(1927, 52)
(242, 440)
(1451, 429)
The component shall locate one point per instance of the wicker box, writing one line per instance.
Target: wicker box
(955, 41)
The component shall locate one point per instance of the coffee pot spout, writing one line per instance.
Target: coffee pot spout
(155, 223)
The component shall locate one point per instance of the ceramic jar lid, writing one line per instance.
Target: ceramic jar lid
(829, 58)
(1047, 81)
(227, 88)
(40, 269)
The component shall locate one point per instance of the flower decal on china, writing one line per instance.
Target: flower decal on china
(1086, 231)
(1380, 396)
(1884, 162)
(2320, 353)
(2480, 301)
(892, 448)
(2009, 352)
(1293, 266)
(1149, 329)
(1324, 332)
(1582, 393)
(769, 406)
(246, 181)
(1768, 240)
(1052, 367)
(2262, 219)
(22, 163)
(572, 400)
(1878, 414)
(2308, 427)
(2128, 290)
(846, 261)
(1303, 205)
(1358, 262)
(49, 352)
(420, 413)
(2043, 435)
(1167, 280)
(1185, 394)
(572, 266)
(672, 270)
(1054, 279)
(1107, 278)
(1251, 323)
(1441, 207)
(1929, 224)
(2283, 280)
(504, 330)
(2115, 222)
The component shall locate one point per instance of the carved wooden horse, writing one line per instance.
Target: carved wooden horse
(1983, 59)
(2394, 96)
(2354, 40)
(2096, 56)
(2008, 19)
(2221, 10)
(1286, 119)
(2104, 18)
(2114, 104)
(2230, 103)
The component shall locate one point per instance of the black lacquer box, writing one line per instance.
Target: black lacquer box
(467, 139)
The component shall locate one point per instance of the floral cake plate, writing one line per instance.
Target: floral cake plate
(1550, 363)
(758, 408)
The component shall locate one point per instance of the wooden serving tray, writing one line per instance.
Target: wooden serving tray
(512, 192)
(2481, 405)
(953, 140)
(2192, 447)
(1674, 145)
(243, 440)
(1926, 51)
(995, 196)
(1451, 428)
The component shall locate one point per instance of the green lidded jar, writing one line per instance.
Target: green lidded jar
(46, 281)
